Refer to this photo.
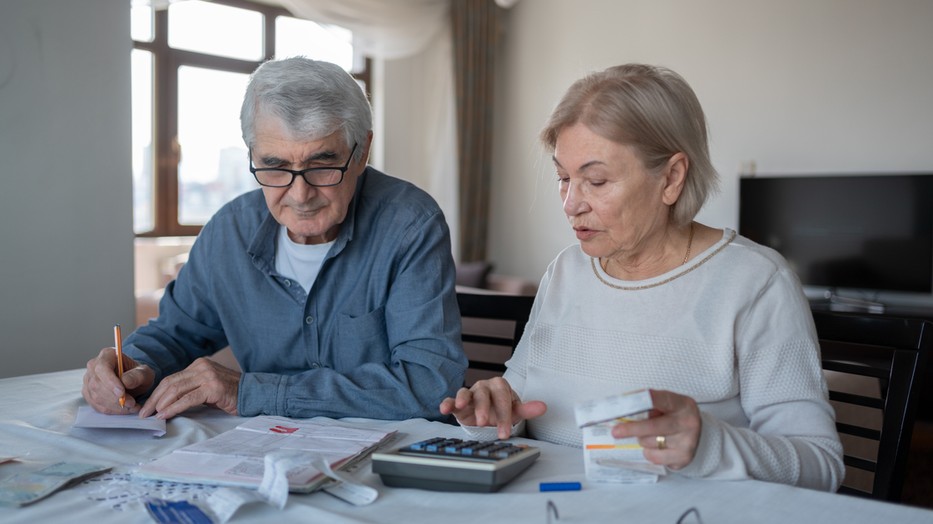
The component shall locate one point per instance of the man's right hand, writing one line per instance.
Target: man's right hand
(491, 402)
(102, 389)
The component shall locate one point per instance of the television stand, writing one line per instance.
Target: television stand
(833, 302)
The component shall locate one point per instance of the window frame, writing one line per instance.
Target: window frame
(166, 63)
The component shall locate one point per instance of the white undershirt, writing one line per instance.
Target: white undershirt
(299, 262)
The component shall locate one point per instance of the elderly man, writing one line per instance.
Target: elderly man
(333, 284)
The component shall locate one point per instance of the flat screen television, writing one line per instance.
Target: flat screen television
(865, 232)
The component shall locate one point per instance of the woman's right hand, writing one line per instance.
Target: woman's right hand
(491, 402)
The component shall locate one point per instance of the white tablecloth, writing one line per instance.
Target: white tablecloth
(36, 413)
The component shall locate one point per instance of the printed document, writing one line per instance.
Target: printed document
(236, 457)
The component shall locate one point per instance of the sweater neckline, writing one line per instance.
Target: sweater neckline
(728, 235)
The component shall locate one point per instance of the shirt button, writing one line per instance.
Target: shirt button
(315, 365)
(288, 283)
(309, 320)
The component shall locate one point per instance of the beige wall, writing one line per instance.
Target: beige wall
(797, 86)
(66, 265)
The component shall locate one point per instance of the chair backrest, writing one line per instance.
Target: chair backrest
(492, 326)
(872, 363)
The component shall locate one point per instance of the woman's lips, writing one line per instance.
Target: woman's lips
(584, 233)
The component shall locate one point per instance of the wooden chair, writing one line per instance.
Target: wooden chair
(872, 364)
(492, 326)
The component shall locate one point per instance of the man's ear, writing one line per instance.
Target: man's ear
(675, 175)
(366, 147)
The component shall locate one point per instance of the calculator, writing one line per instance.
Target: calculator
(452, 464)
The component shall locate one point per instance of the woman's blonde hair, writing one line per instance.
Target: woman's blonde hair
(650, 108)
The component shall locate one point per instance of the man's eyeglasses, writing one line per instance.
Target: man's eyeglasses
(314, 176)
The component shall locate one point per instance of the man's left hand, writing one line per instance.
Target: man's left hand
(203, 382)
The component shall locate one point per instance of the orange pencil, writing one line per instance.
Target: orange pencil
(118, 342)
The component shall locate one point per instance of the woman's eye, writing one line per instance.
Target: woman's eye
(597, 183)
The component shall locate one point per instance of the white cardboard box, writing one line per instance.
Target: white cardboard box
(613, 407)
(606, 458)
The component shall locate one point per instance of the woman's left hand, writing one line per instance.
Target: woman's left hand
(671, 435)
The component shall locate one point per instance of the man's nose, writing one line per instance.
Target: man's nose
(301, 189)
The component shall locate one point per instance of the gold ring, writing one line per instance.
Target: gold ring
(662, 442)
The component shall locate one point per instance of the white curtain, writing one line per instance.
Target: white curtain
(381, 29)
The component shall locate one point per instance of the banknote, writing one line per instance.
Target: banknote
(26, 488)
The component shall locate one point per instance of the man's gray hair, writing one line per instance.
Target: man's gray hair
(312, 98)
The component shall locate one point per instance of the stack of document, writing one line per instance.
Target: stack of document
(236, 457)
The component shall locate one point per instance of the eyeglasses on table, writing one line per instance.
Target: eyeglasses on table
(690, 516)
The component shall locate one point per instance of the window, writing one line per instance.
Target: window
(190, 66)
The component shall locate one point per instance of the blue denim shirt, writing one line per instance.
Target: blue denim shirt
(378, 336)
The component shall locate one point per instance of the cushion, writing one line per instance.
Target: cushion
(473, 274)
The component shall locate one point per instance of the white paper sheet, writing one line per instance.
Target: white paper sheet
(89, 418)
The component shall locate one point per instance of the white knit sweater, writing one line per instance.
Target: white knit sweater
(731, 329)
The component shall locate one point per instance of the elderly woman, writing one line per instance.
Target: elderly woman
(717, 326)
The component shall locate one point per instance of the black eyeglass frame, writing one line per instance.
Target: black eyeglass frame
(301, 172)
